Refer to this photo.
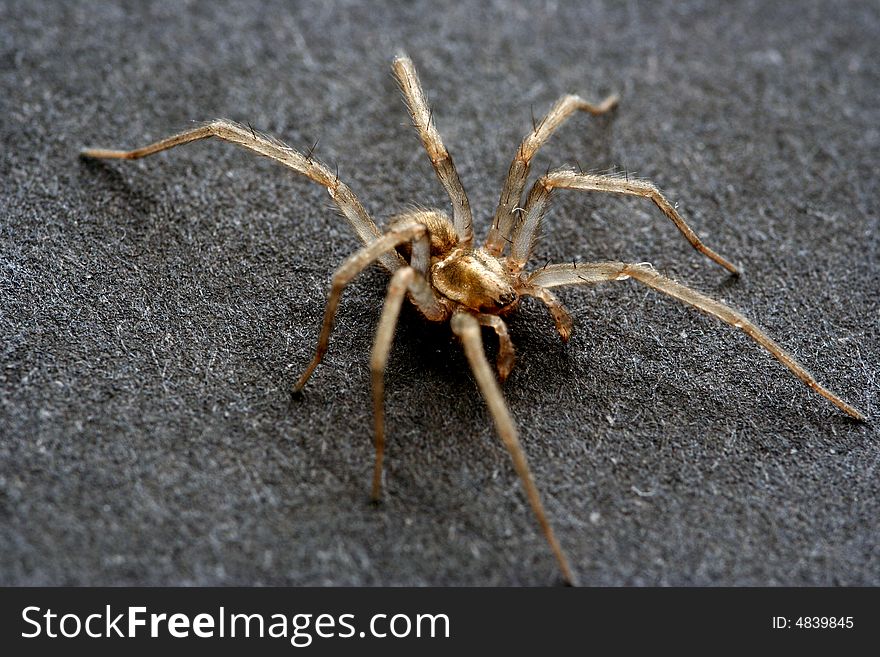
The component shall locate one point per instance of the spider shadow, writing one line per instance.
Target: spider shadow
(429, 388)
(108, 191)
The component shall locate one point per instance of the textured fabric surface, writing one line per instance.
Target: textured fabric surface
(155, 313)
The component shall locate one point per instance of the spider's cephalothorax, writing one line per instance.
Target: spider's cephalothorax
(436, 265)
(461, 275)
(476, 280)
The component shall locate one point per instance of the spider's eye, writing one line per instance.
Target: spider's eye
(499, 301)
(506, 299)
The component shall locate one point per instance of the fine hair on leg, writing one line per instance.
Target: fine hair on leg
(518, 173)
(405, 279)
(467, 328)
(262, 144)
(352, 266)
(441, 160)
(526, 233)
(597, 272)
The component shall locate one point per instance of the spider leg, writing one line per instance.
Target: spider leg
(269, 147)
(405, 279)
(515, 182)
(422, 119)
(526, 233)
(506, 353)
(596, 272)
(467, 328)
(352, 266)
(561, 316)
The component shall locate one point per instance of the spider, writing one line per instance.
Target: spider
(436, 265)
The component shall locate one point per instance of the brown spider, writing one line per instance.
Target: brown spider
(436, 265)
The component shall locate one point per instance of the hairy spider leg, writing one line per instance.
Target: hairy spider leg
(355, 264)
(515, 183)
(441, 160)
(269, 147)
(527, 231)
(405, 280)
(597, 272)
(467, 328)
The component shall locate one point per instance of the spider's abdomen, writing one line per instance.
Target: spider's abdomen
(474, 279)
(443, 237)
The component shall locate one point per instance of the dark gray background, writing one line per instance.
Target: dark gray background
(154, 314)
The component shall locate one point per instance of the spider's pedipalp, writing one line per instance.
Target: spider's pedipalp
(352, 266)
(254, 141)
(441, 160)
(524, 234)
(515, 183)
(506, 354)
(597, 272)
(467, 328)
(561, 316)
